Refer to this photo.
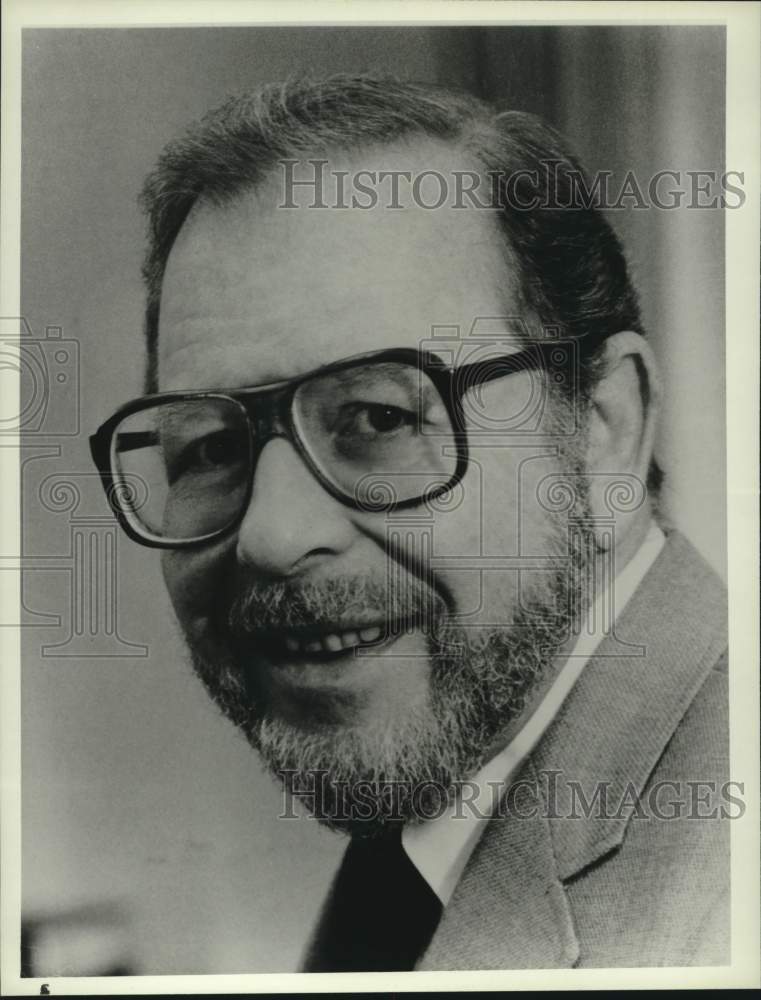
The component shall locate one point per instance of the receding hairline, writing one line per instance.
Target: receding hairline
(415, 152)
(574, 276)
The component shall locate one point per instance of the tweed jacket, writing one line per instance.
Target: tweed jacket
(643, 878)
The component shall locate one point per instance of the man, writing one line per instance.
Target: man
(397, 452)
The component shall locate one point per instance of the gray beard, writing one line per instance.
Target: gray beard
(360, 779)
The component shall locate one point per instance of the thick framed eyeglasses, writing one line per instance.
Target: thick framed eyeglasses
(379, 431)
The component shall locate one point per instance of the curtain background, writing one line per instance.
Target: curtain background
(151, 838)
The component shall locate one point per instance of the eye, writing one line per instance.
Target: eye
(372, 420)
(384, 419)
(212, 453)
(217, 449)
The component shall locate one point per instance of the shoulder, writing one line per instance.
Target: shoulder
(648, 881)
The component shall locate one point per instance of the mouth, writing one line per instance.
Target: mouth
(300, 643)
(323, 668)
(326, 643)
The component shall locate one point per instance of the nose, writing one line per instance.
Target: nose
(292, 522)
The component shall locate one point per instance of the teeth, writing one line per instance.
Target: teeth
(333, 642)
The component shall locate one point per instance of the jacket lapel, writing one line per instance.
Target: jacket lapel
(510, 909)
(629, 699)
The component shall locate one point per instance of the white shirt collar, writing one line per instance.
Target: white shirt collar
(440, 848)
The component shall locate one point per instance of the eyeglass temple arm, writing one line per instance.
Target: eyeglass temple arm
(132, 440)
(469, 376)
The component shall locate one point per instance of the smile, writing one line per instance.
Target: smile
(324, 643)
(329, 642)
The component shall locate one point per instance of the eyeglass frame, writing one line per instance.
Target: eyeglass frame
(450, 383)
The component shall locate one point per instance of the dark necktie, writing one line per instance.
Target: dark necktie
(380, 914)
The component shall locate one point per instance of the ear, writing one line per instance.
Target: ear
(621, 430)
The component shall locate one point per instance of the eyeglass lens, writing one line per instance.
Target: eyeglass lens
(377, 433)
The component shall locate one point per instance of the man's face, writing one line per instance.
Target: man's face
(282, 617)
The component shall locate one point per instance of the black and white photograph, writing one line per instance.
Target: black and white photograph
(380, 429)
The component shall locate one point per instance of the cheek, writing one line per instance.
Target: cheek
(194, 580)
(493, 542)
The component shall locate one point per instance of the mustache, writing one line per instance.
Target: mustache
(259, 606)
